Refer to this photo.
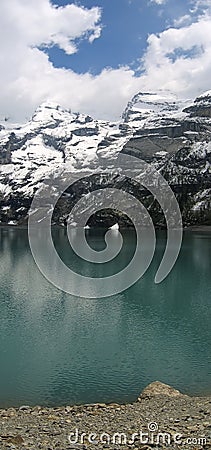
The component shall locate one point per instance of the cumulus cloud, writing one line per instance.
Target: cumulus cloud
(27, 76)
(37, 22)
(177, 59)
(159, 2)
(183, 20)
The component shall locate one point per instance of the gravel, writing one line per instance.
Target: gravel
(161, 419)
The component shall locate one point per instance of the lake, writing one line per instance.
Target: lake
(56, 349)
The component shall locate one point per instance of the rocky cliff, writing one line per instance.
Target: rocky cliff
(172, 135)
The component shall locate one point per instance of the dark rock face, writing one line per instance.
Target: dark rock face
(201, 106)
(156, 127)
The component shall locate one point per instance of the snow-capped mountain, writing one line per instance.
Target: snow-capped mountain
(173, 135)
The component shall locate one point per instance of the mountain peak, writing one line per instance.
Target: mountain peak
(206, 94)
(201, 107)
(147, 107)
(50, 105)
(49, 111)
(155, 128)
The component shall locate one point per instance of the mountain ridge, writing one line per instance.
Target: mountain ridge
(171, 134)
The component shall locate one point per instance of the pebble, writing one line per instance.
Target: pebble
(48, 428)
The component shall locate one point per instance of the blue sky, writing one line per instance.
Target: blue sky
(126, 25)
(92, 56)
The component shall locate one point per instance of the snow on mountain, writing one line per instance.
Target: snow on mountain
(147, 110)
(52, 137)
(173, 135)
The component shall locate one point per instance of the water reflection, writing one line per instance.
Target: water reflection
(58, 349)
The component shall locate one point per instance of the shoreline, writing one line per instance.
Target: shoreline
(200, 228)
(205, 228)
(161, 412)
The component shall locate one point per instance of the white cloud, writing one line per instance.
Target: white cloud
(38, 22)
(183, 20)
(186, 74)
(201, 5)
(159, 2)
(27, 77)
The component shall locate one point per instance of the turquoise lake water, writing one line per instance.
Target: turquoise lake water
(56, 349)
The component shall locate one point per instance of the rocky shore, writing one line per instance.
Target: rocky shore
(161, 418)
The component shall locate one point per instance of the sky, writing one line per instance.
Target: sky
(92, 56)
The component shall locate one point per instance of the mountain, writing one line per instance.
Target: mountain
(172, 135)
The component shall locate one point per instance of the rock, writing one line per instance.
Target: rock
(13, 439)
(68, 409)
(24, 408)
(158, 388)
(144, 447)
(201, 106)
